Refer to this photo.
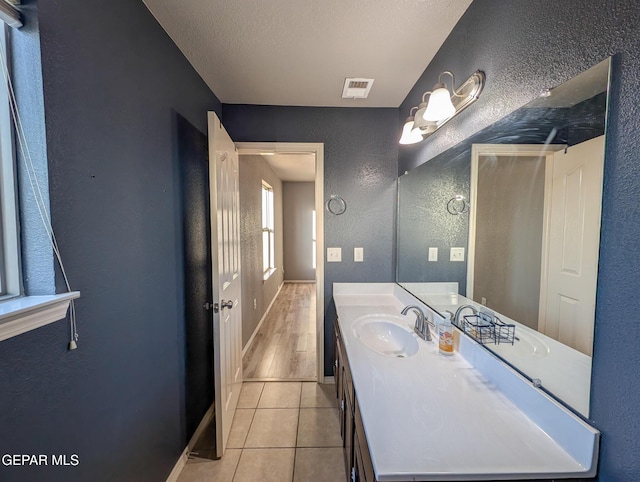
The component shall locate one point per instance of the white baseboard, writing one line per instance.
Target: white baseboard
(300, 281)
(177, 469)
(264, 317)
(184, 456)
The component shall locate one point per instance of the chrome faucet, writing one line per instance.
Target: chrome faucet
(422, 325)
(456, 317)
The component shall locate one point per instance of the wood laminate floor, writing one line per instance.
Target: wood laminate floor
(285, 346)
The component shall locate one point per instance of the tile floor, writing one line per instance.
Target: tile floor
(282, 431)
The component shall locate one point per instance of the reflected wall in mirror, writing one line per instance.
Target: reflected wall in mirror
(532, 183)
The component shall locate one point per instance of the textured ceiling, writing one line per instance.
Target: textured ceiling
(298, 52)
(293, 166)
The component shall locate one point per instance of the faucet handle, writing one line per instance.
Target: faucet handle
(425, 333)
(425, 329)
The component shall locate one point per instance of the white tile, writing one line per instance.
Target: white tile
(250, 394)
(273, 427)
(221, 470)
(240, 427)
(280, 395)
(317, 395)
(265, 465)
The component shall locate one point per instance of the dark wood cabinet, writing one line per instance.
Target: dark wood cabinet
(337, 361)
(358, 473)
(356, 451)
(363, 463)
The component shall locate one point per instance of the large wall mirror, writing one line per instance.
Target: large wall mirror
(508, 221)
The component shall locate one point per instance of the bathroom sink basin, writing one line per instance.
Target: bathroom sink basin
(386, 335)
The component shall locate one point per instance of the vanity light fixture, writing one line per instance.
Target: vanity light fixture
(409, 134)
(441, 106)
(420, 124)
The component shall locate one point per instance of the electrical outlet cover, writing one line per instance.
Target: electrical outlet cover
(334, 255)
(457, 254)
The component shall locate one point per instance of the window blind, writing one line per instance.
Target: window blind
(10, 15)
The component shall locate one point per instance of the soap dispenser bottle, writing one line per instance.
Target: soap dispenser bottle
(445, 335)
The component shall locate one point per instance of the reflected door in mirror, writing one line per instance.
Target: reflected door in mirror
(567, 310)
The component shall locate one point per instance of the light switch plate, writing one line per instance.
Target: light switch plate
(457, 254)
(334, 255)
(358, 255)
(433, 254)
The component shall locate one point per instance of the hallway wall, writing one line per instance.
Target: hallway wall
(254, 169)
(298, 200)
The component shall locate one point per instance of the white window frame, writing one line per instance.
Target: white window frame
(268, 228)
(10, 273)
(18, 313)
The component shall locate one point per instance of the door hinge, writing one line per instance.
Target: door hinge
(353, 474)
(342, 405)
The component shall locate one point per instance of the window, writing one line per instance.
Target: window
(268, 234)
(9, 259)
(19, 311)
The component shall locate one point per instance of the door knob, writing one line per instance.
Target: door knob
(226, 304)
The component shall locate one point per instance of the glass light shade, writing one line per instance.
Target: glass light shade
(440, 106)
(409, 134)
(418, 118)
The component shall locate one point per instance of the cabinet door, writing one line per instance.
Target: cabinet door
(349, 429)
(338, 362)
(342, 407)
(362, 448)
(357, 470)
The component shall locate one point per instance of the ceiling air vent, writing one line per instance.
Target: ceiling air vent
(356, 88)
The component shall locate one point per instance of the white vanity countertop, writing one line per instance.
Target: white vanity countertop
(433, 417)
(561, 369)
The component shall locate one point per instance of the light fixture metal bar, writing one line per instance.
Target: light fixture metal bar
(465, 95)
(9, 15)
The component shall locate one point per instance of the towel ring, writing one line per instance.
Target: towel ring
(336, 205)
(458, 205)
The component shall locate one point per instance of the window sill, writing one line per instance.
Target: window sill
(27, 313)
(267, 274)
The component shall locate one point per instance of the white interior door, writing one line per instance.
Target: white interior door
(574, 239)
(225, 237)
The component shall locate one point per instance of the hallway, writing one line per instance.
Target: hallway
(285, 346)
(281, 432)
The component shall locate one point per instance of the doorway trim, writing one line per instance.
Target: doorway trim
(316, 148)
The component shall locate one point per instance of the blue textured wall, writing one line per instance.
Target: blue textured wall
(360, 164)
(525, 47)
(113, 81)
(424, 222)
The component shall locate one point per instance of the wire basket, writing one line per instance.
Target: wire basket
(487, 328)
